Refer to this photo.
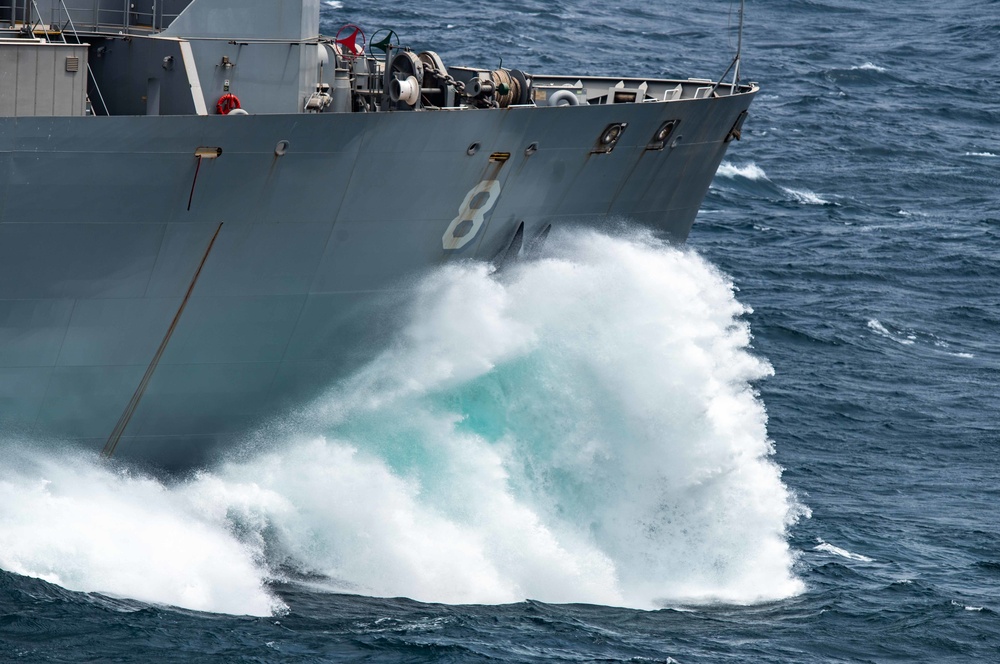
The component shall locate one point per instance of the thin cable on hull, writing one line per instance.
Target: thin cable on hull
(133, 404)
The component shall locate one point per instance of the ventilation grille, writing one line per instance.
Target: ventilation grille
(72, 63)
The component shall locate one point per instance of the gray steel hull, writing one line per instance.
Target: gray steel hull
(98, 247)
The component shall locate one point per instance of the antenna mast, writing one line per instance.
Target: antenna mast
(735, 64)
(739, 51)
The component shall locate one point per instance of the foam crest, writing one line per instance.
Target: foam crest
(750, 171)
(805, 196)
(870, 66)
(876, 326)
(842, 553)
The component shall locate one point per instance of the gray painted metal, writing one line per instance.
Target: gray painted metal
(321, 235)
(41, 78)
(243, 20)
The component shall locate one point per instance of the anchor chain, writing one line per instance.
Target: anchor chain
(447, 78)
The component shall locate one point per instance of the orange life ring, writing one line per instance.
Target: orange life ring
(227, 102)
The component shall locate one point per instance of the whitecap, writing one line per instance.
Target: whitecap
(981, 154)
(334, 4)
(870, 66)
(749, 171)
(805, 196)
(966, 607)
(876, 326)
(843, 553)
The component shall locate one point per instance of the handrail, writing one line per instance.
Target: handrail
(89, 17)
(90, 71)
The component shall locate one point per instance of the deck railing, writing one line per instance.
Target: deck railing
(126, 16)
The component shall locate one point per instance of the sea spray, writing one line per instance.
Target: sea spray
(73, 520)
(581, 427)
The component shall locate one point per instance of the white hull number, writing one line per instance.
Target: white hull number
(471, 215)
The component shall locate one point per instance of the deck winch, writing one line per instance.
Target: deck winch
(389, 77)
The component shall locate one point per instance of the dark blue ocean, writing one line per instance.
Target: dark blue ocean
(778, 444)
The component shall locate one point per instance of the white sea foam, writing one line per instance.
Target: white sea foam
(755, 173)
(749, 171)
(980, 154)
(579, 428)
(805, 196)
(870, 66)
(966, 607)
(334, 4)
(843, 553)
(910, 338)
(878, 328)
(73, 521)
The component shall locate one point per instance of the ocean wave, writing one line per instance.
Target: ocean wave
(754, 173)
(906, 337)
(750, 171)
(843, 553)
(867, 73)
(870, 66)
(878, 328)
(805, 196)
(967, 607)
